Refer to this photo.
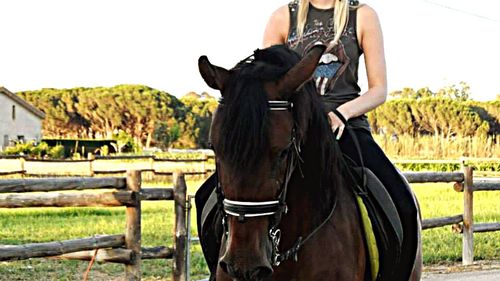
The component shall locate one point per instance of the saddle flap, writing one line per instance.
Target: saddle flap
(208, 222)
(378, 193)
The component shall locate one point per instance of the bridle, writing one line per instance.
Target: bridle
(274, 209)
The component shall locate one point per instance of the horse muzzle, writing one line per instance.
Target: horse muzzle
(253, 270)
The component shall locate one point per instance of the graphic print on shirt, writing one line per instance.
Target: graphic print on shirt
(330, 67)
(332, 64)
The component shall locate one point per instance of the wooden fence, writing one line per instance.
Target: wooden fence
(151, 165)
(18, 165)
(461, 223)
(123, 248)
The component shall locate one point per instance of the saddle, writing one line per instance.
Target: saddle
(383, 221)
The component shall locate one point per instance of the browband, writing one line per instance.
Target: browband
(274, 105)
(242, 209)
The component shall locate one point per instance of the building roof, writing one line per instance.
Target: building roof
(23, 103)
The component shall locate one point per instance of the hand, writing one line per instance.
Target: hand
(337, 124)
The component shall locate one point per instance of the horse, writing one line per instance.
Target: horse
(288, 205)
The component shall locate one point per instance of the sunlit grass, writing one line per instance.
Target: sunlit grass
(440, 244)
(431, 147)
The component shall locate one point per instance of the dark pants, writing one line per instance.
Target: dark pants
(376, 160)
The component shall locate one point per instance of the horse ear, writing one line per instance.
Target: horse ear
(214, 76)
(301, 72)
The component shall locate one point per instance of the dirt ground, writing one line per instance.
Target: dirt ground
(479, 271)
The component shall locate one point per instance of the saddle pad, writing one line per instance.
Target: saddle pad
(371, 242)
(210, 205)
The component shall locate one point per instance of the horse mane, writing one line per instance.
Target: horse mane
(315, 132)
(244, 113)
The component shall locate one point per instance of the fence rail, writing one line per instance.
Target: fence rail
(124, 248)
(113, 165)
(19, 165)
(107, 199)
(119, 255)
(60, 184)
(438, 222)
(37, 250)
(424, 177)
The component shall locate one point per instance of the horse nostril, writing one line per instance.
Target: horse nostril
(226, 267)
(258, 273)
(262, 272)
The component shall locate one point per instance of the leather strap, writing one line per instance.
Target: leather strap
(355, 140)
(340, 116)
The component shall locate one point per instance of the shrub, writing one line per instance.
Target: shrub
(41, 150)
(56, 152)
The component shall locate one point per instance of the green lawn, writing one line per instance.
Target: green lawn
(440, 244)
(40, 225)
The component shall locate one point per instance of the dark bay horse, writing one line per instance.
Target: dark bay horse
(290, 212)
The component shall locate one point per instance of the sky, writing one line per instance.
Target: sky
(89, 43)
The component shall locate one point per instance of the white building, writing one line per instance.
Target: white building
(19, 120)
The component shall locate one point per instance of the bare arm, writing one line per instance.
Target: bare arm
(371, 41)
(276, 31)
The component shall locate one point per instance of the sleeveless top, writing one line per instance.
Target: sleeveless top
(336, 76)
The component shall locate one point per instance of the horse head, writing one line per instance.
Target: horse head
(254, 135)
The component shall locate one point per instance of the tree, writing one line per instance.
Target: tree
(460, 92)
(446, 117)
(442, 117)
(201, 109)
(101, 112)
(393, 117)
(405, 93)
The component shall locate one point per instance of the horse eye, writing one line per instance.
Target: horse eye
(278, 162)
(283, 154)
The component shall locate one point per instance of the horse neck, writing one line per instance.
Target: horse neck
(311, 189)
(319, 185)
(312, 197)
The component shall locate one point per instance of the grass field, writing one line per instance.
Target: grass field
(19, 226)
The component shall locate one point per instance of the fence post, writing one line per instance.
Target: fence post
(189, 207)
(179, 270)
(468, 220)
(204, 163)
(133, 227)
(91, 158)
(22, 161)
(152, 163)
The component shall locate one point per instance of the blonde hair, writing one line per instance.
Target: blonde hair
(340, 19)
